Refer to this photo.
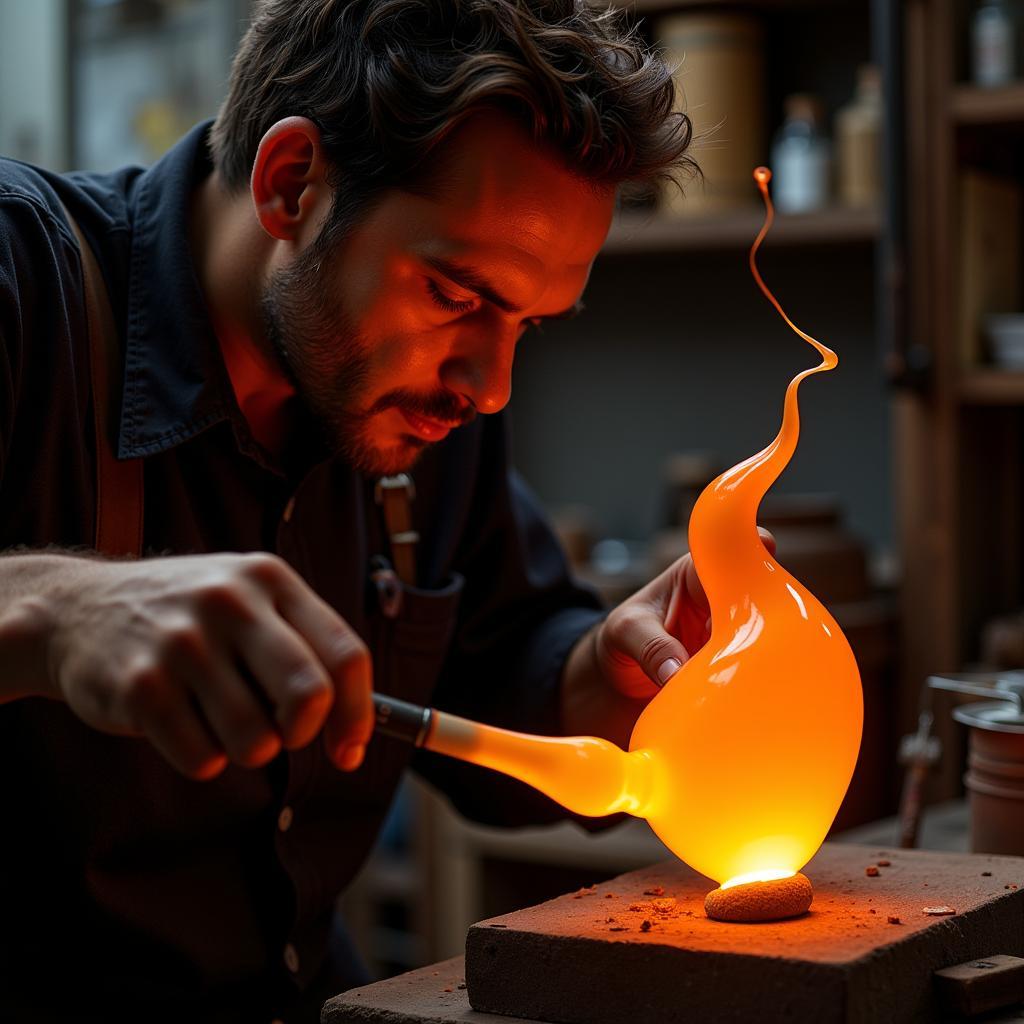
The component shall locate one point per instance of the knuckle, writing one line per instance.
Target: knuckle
(144, 691)
(655, 650)
(348, 651)
(184, 638)
(622, 622)
(307, 686)
(304, 705)
(265, 568)
(222, 596)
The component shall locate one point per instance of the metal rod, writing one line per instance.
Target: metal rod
(999, 688)
(402, 720)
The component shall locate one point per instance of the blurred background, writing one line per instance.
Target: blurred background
(894, 130)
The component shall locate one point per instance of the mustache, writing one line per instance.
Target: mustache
(442, 406)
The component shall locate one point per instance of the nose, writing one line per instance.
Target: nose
(481, 370)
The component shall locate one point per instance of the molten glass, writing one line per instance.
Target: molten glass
(740, 763)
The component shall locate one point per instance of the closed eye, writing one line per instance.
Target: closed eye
(446, 302)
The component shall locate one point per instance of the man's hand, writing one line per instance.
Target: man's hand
(652, 634)
(212, 658)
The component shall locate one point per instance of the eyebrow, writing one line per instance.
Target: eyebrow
(472, 280)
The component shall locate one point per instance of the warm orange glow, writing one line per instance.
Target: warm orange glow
(741, 761)
(759, 731)
(757, 876)
(586, 774)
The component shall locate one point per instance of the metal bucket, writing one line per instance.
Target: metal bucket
(995, 776)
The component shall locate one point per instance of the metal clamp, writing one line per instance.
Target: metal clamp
(402, 720)
(1001, 686)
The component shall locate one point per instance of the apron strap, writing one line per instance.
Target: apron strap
(395, 494)
(119, 499)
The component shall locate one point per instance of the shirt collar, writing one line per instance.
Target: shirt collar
(175, 383)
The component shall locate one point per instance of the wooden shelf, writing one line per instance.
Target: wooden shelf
(653, 232)
(992, 386)
(972, 104)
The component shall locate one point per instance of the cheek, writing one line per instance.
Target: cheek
(388, 306)
(400, 339)
(411, 360)
(385, 295)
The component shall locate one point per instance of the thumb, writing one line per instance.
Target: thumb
(638, 643)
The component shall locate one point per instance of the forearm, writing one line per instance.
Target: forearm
(30, 589)
(591, 705)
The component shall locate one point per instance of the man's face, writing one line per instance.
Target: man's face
(410, 328)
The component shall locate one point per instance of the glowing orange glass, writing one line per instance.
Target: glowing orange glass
(740, 763)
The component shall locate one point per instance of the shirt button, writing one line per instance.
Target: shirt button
(291, 958)
(284, 819)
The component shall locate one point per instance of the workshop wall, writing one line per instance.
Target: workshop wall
(681, 352)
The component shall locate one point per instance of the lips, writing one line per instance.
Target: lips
(429, 430)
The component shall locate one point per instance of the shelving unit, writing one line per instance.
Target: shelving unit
(960, 420)
(992, 387)
(653, 232)
(970, 105)
(657, 233)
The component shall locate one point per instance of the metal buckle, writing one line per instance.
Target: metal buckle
(400, 481)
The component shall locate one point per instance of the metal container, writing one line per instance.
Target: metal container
(995, 776)
(720, 83)
(995, 760)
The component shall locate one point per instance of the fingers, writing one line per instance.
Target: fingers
(298, 688)
(230, 657)
(636, 633)
(694, 588)
(237, 717)
(350, 723)
(349, 719)
(646, 640)
(167, 716)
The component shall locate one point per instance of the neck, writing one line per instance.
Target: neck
(231, 253)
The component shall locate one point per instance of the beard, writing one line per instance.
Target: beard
(313, 340)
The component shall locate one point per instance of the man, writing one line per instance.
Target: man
(326, 286)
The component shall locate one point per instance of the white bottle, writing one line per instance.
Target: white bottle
(801, 158)
(993, 44)
(858, 142)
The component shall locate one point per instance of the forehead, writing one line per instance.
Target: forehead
(496, 194)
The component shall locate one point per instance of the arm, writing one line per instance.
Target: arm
(210, 657)
(26, 582)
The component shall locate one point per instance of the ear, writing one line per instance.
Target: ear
(289, 185)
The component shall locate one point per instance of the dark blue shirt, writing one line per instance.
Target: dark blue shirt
(148, 895)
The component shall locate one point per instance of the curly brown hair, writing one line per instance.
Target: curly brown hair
(387, 81)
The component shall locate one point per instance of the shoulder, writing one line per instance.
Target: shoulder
(34, 203)
(30, 214)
